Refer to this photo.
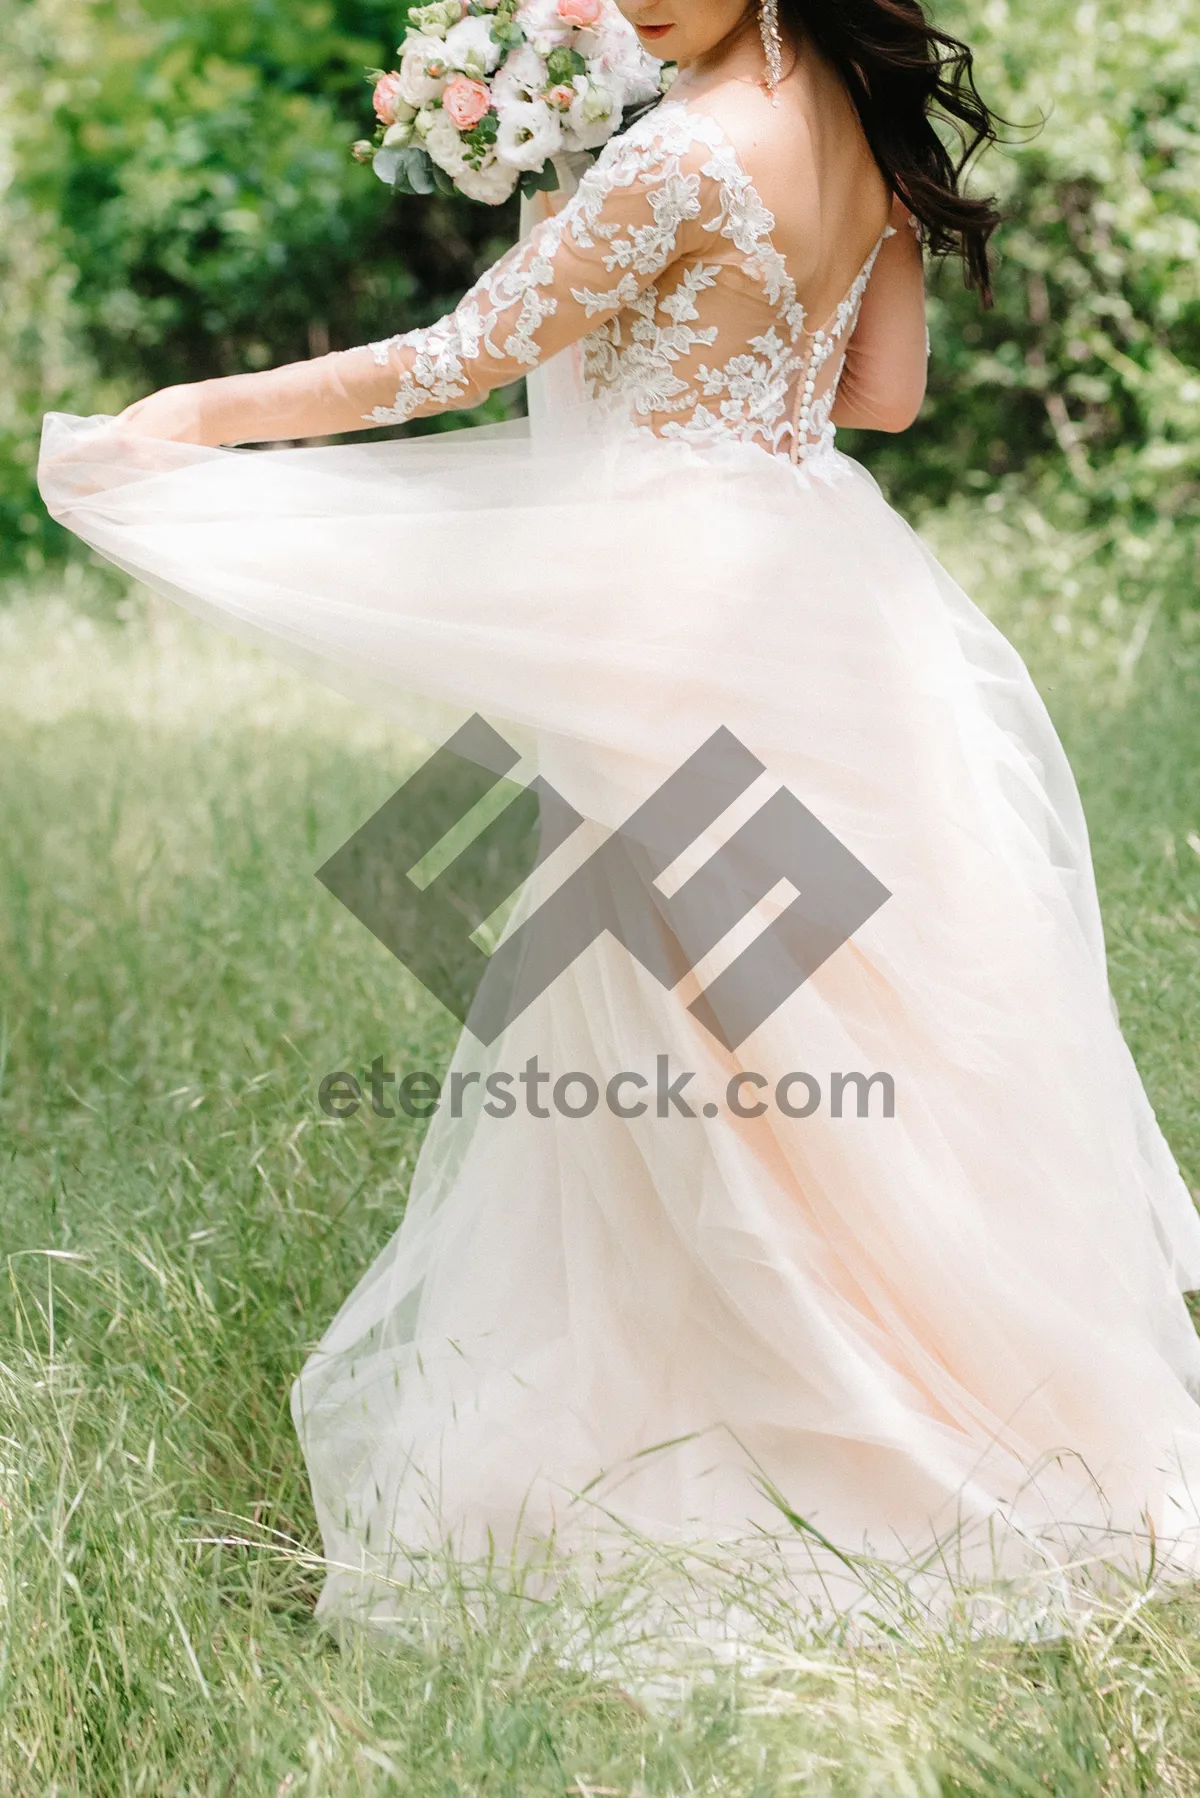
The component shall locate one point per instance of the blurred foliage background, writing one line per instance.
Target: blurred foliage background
(177, 200)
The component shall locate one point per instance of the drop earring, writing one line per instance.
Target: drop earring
(768, 25)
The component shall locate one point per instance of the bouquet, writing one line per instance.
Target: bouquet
(490, 92)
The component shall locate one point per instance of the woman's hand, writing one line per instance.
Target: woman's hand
(318, 398)
(173, 412)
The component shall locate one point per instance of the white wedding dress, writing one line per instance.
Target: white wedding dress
(958, 1324)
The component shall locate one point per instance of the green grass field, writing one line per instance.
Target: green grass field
(179, 1222)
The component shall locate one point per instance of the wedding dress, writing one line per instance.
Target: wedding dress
(958, 1323)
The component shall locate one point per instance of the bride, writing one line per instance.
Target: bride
(896, 1264)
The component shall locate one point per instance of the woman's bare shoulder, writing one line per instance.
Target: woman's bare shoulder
(808, 160)
(758, 129)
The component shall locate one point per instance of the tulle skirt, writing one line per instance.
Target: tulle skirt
(949, 1329)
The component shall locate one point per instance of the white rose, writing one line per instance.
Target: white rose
(445, 145)
(641, 80)
(417, 86)
(593, 116)
(612, 47)
(540, 21)
(529, 133)
(398, 135)
(436, 19)
(492, 183)
(522, 77)
(590, 40)
(471, 47)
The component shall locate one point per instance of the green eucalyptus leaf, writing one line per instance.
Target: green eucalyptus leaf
(539, 181)
(419, 170)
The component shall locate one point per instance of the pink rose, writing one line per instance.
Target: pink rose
(579, 12)
(387, 92)
(562, 96)
(466, 101)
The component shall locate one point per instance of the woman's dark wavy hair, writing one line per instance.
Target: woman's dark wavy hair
(902, 73)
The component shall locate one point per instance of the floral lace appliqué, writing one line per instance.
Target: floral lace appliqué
(667, 246)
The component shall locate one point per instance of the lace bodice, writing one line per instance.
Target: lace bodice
(663, 268)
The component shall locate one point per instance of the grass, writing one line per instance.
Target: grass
(179, 1221)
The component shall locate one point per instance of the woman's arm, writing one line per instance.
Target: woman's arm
(883, 381)
(317, 398)
(636, 211)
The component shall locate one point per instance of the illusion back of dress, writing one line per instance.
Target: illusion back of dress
(664, 264)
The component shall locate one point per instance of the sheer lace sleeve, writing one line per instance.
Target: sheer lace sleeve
(640, 208)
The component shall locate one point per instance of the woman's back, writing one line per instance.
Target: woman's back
(743, 233)
(811, 166)
(809, 160)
